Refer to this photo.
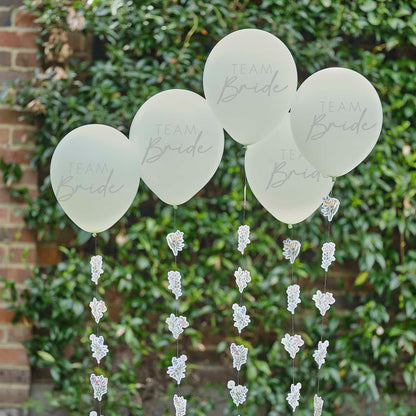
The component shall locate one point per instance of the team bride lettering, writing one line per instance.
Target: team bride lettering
(155, 150)
(93, 178)
(282, 172)
(320, 124)
(234, 85)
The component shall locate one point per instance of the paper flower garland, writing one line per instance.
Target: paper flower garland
(329, 207)
(320, 354)
(178, 368)
(292, 343)
(242, 277)
(293, 293)
(175, 242)
(175, 286)
(243, 237)
(177, 324)
(241, 320)
(239, 354)
(323, 299)
(180, 405)
(294, 395)
(238, 393)
(98, 348)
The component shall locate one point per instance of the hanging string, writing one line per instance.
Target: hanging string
(323, 300)
(241, 319)
(176, 323)
(99, 349)
(293, 342)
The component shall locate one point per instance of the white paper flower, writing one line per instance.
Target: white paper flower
(323, 301)
(93, 413)
(96, 268)
(320, 353)
(317, 405)
(243, 237)
(97, 309)
(239, 354)
(175, 283)
(175, 242)
(178, 368)
(292, 344)
(242, 277)
(328, 251)
(291, 249)
(293, 293)
(241, 320)
(180, 405)
(238, 392)
(99, 384)
(329, 207)
(294, 395)
(176, 324)
(98, 347)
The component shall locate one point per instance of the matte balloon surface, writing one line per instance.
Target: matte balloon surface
(282, 180)
(180, 144)
(250, 81)
(95, 176)
(336, 119)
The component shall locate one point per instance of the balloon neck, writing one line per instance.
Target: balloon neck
(175, 206)
(290, 226)
(334, 178)
(94, 235)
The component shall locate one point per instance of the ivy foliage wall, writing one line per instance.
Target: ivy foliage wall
(143, 47)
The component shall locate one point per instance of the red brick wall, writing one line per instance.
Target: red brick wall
(17, 245)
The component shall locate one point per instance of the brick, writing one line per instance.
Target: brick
(4, 136)
(22, 255)
(3, 254)
(4, 215)
(5, 59)
(11, 2)
(3, 335)
(19, 155)
(11, 117)
(18, 235)
(18, 39)
(48, 254)
(29, 177)
(27, 59)
(13, 394)
(5, 17)
(24, 19)
(15, 375)
(17, 274)
(8, 76)
(13, 355)
(15, 216)
(6, 316)
(19, 333)
(23, 137)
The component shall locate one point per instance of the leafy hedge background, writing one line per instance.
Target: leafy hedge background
(141, 48)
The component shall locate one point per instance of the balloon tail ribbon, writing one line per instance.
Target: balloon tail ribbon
(323, 300)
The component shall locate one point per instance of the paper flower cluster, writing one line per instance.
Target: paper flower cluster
(323, 301)
(242, 277)
(99, 384)
(243, 237)
(96, 268)
(241, 320)
(291, 249)
(178, 368)
(180, 405)
(239, 354)
(329, 207)
(320, 354)
(318, 403)
(292, 344)
(98, 348)
(176, 324)
(328, 251)
(238, 392)
(293, 293)
(175, 285)
(175, 242)
(294, 395)
(97, 309)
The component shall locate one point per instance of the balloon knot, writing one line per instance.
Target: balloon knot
(290, 226)
(94, 235)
